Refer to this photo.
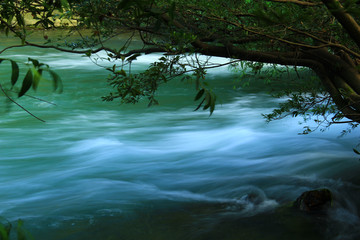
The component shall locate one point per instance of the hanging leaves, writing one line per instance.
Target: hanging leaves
(33, 76)
(27, 82)
(35, 62)
(209, 100)
(199, 94)
(14, 72)
(37, 75)
(56, 80)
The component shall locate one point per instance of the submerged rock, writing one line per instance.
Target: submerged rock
(314, 200)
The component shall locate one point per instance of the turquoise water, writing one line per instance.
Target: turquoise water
(97, 170)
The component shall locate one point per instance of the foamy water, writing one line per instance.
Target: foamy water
(118, 171)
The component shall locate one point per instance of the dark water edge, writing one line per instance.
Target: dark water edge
(249, 218)
(187, 221)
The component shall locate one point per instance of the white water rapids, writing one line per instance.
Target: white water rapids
(97, 170)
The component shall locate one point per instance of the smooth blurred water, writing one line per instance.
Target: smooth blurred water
(98, 170)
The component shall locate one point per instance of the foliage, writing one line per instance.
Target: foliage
(13, 19)
(257, 32)
(6, 229)
(321, 36)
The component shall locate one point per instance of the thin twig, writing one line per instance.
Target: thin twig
(39, 99)
(7, 48)
(12, 100)
(302, 3)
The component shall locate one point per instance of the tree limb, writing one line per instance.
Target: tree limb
(326, 44)
(302, 3)
(336, 95)
(345, 19)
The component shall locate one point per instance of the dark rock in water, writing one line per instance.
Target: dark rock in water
(314, 201)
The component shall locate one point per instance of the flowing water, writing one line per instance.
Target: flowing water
(102, 171)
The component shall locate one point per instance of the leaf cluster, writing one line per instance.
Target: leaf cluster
(33, 76)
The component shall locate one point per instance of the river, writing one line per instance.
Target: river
(103, 171)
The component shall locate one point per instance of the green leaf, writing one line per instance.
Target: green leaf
(35, 62)
(27, 82)
(65, 4)
(14, 73)
(356, 151)
(20, 19)
(57, 81)
(88, 53)
(3, 233)
(199, 94)
(164, 78)
(212, 103)
(172, 10)
(208, 100)
(37, 77)
(22, 233)
(199, 106)
(122, 72)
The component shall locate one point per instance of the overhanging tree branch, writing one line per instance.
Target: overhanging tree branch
(345, 19)
(302, 3)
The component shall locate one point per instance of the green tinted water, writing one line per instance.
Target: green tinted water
(98, 170)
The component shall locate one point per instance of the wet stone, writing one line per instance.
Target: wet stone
(314, 200)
